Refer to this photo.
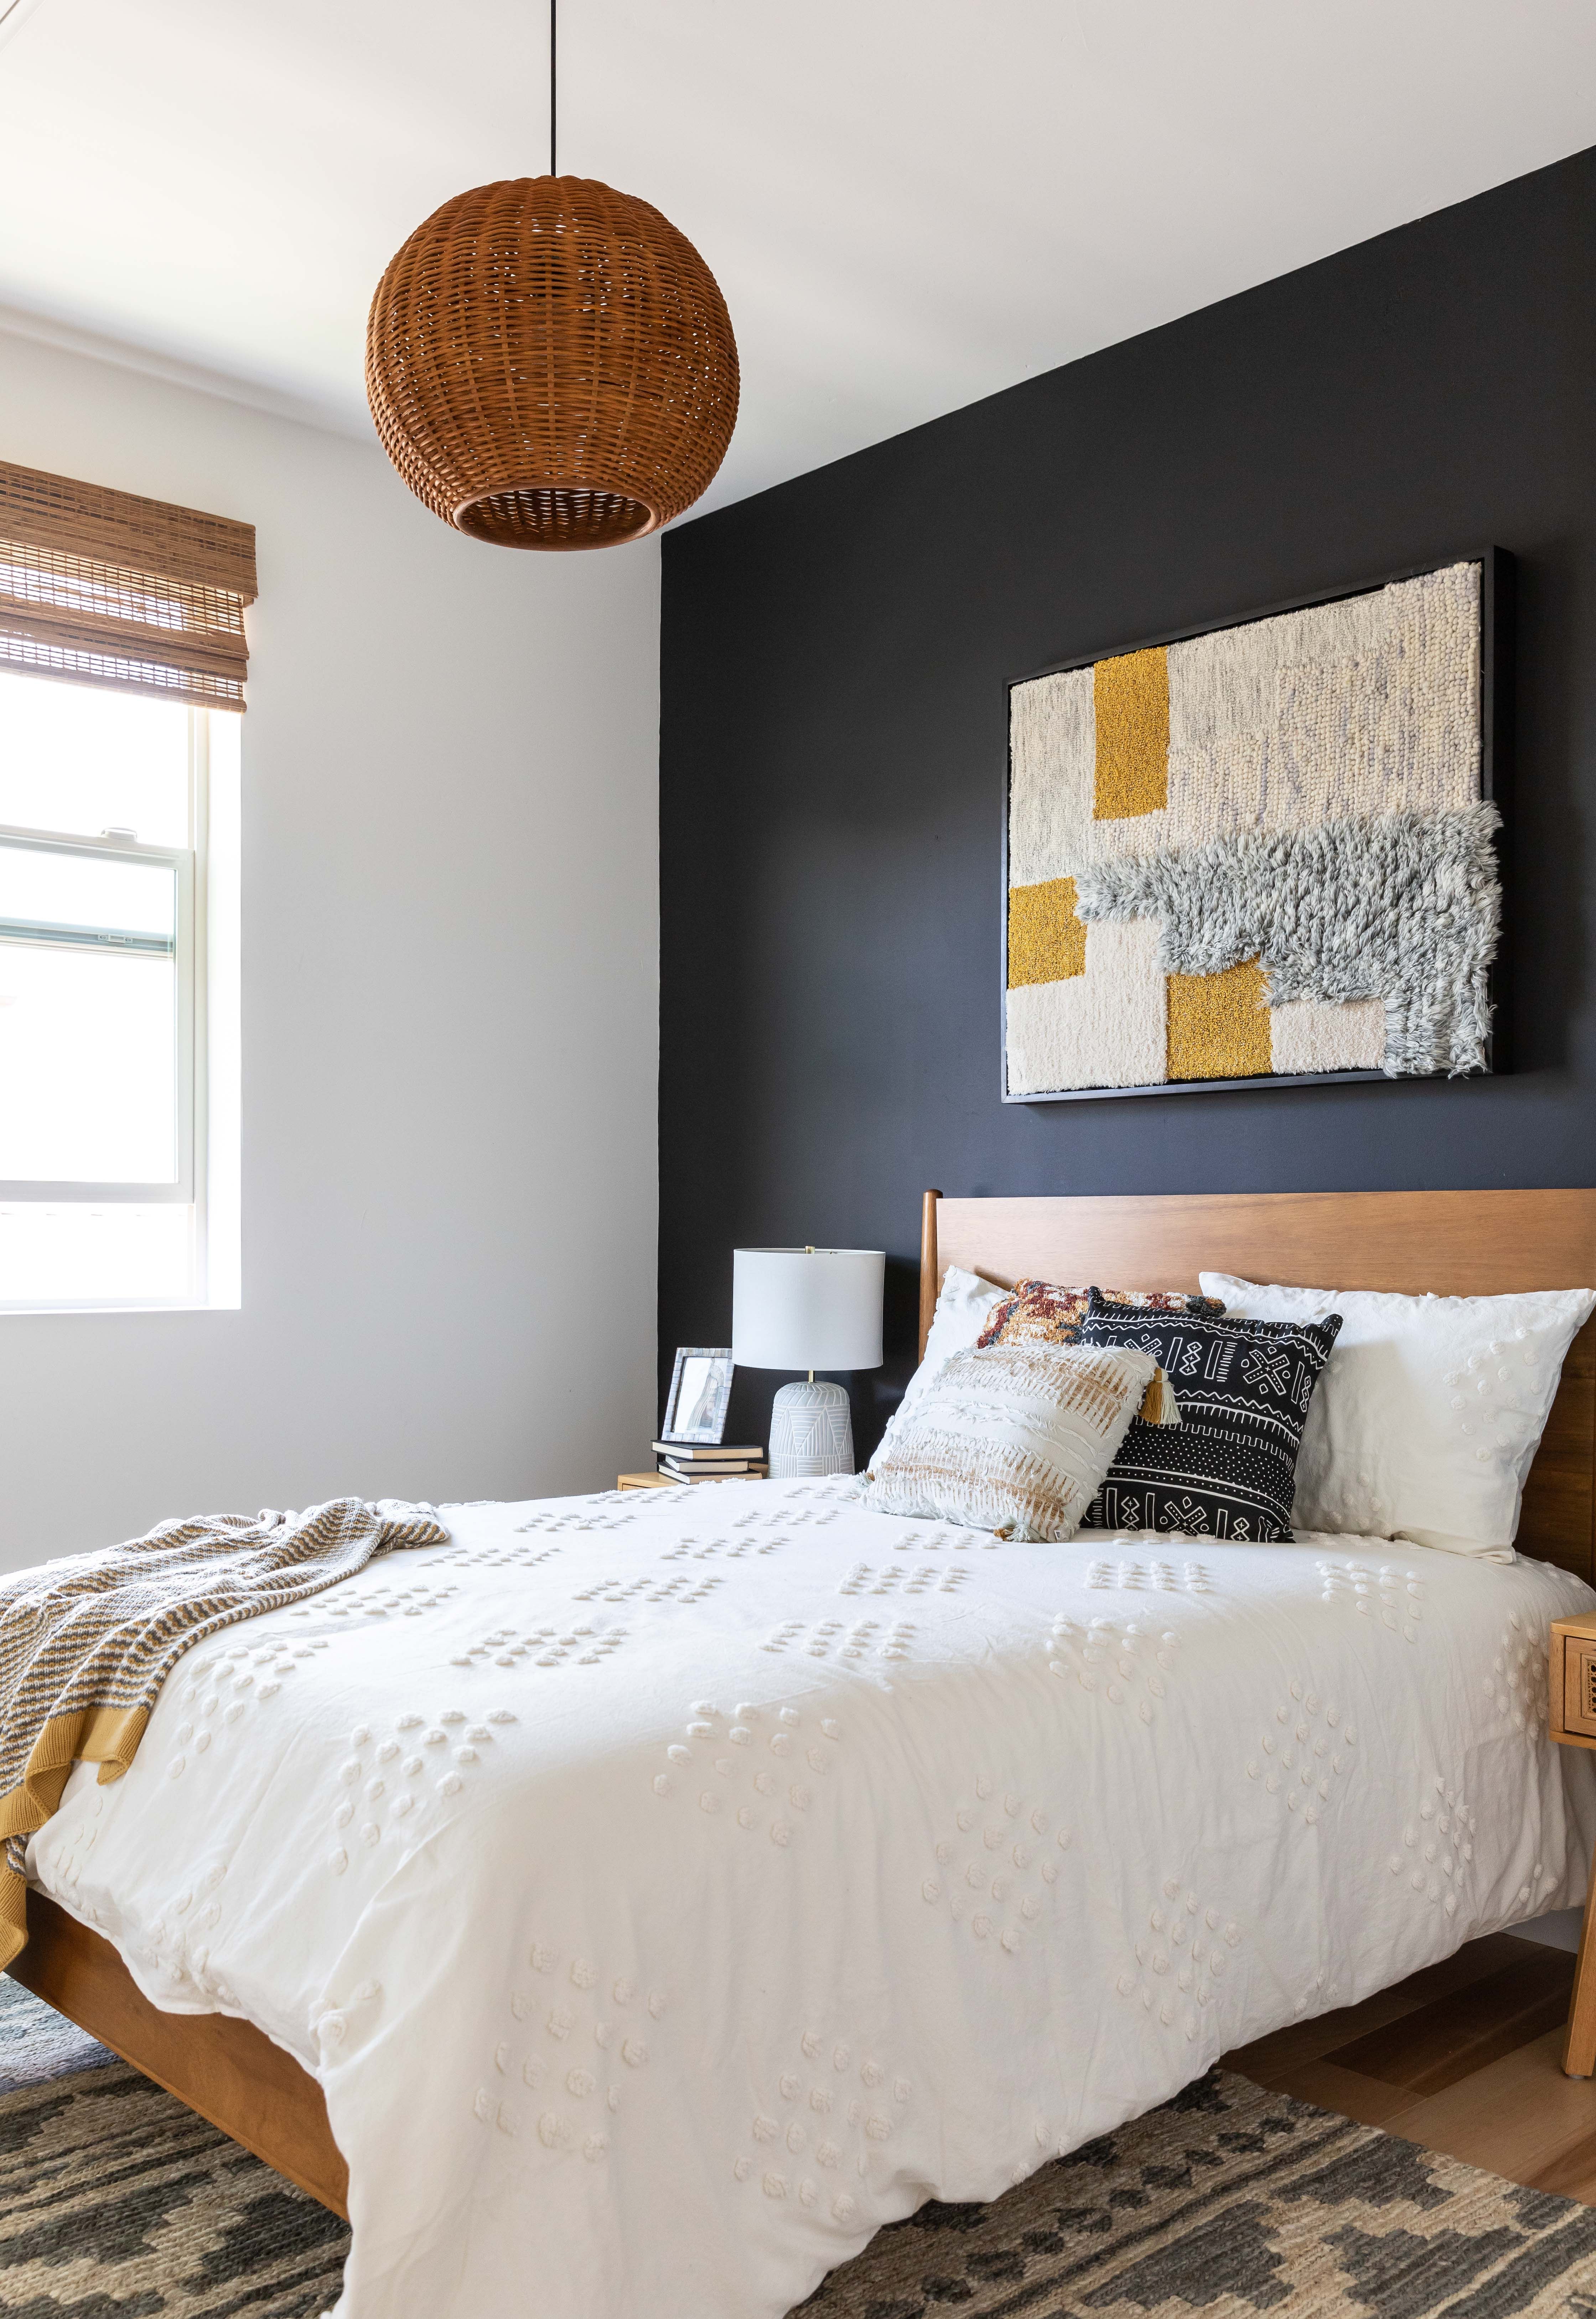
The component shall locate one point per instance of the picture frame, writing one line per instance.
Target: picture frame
(1492, 711)
(700, 1391)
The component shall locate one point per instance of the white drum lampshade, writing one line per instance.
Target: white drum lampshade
(809, 1308)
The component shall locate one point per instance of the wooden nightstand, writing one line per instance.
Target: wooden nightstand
(1572, 1711)
(667, 1481)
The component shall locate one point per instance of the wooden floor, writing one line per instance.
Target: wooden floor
(1463, 2058)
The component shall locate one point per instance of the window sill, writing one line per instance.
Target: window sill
(101, 1311)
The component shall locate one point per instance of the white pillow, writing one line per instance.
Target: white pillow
(963, 1303)
(1015, 1439)
(1429, 1410)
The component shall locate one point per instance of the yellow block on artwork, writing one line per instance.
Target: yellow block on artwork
(1130, 701)
(1046, 943)
(1219, 1025)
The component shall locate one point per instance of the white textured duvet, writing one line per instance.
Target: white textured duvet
(669, 1890)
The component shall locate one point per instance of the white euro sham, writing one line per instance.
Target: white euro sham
(1429, 1410)
(964, 1304)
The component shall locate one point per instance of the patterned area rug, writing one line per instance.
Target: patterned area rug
(117, 2202)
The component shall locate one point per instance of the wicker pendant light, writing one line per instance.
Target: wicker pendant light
(550, 364)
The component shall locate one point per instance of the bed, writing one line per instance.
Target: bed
(767, 1865)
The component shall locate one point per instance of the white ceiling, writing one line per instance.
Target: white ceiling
(908, 202)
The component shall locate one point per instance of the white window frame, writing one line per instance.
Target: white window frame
(188, 1187)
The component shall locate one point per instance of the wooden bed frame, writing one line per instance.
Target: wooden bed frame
(227, 2070)
(1455, 1243)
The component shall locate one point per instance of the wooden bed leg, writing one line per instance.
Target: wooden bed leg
(1579, 2046)
(928, 1280)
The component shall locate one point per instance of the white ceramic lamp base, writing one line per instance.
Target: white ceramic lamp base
(811, 1432)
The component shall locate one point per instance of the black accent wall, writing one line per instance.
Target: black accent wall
(834, 659)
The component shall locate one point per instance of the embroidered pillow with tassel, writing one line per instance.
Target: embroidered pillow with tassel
(1228, 1468)
(1016, 1439)
(1040, 1312)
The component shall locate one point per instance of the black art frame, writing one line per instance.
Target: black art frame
(1497, 572)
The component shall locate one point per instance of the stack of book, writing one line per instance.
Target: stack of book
(702, 1461)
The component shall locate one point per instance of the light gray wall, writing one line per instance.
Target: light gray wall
(450, 1010)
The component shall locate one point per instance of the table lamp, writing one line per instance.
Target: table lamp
(809, 1308)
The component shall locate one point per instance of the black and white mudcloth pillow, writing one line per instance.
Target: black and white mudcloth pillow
(1228, 1468)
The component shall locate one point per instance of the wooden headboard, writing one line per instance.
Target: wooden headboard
(1451, 1243)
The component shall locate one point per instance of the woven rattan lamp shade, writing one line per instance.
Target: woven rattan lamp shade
(550, 364)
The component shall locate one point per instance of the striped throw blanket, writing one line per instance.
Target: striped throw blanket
(87, 1643)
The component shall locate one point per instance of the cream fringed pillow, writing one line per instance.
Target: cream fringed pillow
(1015, 1439)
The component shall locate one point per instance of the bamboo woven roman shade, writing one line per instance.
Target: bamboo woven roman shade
(105, 587)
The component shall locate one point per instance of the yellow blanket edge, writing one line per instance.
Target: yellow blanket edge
(107, 1735)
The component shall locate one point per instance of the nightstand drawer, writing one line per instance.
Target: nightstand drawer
(1571, 1685)
(1578, 1685)
(1571, 1705)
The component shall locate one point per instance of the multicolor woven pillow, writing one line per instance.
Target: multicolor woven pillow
(1228, 1469)
(1036, 1312)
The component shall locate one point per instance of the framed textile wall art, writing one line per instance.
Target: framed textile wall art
(1264, 854)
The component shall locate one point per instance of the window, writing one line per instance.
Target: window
(106, 1031)
(122, 644)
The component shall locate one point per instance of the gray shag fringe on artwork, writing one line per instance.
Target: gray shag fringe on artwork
(1405, 907)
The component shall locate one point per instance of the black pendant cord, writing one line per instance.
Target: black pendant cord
(552, 170)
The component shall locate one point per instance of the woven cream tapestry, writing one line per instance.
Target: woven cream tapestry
(1263, 852)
